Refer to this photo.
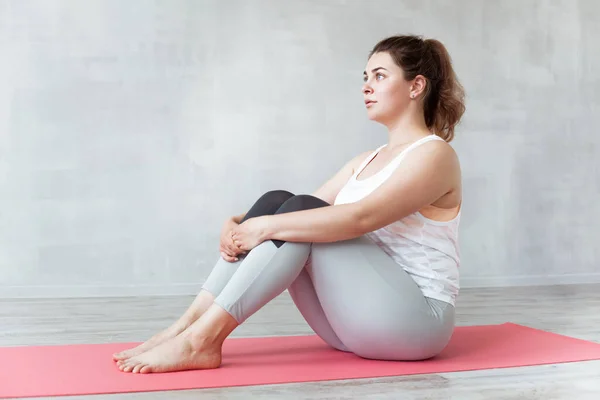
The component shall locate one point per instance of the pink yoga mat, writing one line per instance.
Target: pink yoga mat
(31, 371)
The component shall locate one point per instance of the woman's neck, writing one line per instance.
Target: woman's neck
(406, 129)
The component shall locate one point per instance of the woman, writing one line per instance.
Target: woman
(371, 258)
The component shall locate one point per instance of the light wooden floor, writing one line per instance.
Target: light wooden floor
(572, 310)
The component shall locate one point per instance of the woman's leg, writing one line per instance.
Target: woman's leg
(223, 270)
(264, 273)
(353, 295)
(269, 269)
(371, 304)
(267, 204)
(374, 306)
(306, 300)
(301, 290)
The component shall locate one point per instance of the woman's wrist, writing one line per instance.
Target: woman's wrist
(266, 231)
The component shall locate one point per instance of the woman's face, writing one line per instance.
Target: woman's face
(386, 92)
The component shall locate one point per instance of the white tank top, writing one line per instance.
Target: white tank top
(426, 249)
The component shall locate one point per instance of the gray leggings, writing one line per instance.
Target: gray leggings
(351, 293)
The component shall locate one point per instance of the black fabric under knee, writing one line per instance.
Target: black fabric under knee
(299, 203)
(268, 203)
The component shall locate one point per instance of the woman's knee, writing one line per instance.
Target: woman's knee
(275, 197)
(301, 202)
(268, 203)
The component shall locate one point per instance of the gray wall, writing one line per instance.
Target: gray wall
(129, 130)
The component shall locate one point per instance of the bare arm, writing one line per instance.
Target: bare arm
(425, 175)
(329, 190)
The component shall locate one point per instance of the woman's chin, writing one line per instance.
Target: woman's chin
(373, 116)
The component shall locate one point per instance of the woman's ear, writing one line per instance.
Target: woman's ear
(418, 86)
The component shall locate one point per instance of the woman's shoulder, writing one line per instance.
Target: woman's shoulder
(440, 150)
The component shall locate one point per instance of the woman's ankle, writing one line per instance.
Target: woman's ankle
(185, 322)
(212, 329)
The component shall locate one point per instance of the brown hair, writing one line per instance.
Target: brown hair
(443, 103)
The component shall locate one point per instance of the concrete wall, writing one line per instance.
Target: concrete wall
(130, 130)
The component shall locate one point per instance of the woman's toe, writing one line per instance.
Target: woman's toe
(145, 369)
(125, 367)
(137, 368)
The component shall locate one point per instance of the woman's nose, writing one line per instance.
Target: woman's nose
(367, 89)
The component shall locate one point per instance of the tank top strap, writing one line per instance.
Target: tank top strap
(367, 160)
(396, 161)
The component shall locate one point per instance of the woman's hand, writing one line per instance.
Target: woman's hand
(229, 251)
(250, 233)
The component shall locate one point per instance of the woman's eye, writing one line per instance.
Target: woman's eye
(377, 77)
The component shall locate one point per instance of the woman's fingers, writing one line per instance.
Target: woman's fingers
(223, 250)
(227, 244)
(232, 249)
(236, 245)
(228, 258)
(228, 254)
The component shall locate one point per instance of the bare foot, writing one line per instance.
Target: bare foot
(200, 304)
(154, 341)
(177, 354)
